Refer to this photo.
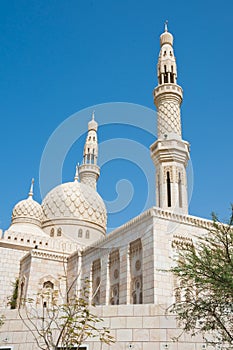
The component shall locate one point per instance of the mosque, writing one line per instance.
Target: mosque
(127, 268)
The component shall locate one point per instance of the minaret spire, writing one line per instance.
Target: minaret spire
(170, 153)
(76, 177)
(89, 170)
(165, 26)
(30, 194)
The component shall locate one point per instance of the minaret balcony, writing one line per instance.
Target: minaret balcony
(168, 88)
(170, 151)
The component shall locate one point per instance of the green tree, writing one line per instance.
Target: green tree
(65, 325)
(13, 299)
(204, 293)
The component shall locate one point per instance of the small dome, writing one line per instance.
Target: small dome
(166, 38)
(75, 200)
(29, 211)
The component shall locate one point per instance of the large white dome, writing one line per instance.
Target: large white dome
(74, 200)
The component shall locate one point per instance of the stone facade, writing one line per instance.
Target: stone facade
(128, 268)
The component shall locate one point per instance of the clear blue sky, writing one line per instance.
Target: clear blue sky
(58, 57)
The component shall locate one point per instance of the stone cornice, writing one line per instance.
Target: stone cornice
(48, 255)
(157, 213)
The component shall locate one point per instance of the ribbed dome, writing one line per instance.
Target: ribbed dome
(166, 38)
(27, 210)
(75, 200)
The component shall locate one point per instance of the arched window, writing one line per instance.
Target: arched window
(52, 232)
(87, 234)
(59, 231)
(137, 293)
(115, 295)
(48, 285)
(80, 233)
(136, 272)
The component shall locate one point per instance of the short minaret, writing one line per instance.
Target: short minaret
(170, 153)
(89, 171)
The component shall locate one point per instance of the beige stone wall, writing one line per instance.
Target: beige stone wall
(156, 229)
(38, 267)
(137, 327)
(9, 271)
(14, 246)
(120, 240)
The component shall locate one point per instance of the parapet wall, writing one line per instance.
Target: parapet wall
(137, 327)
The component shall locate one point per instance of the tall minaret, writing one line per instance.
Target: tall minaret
(170, 153)
(89, 171)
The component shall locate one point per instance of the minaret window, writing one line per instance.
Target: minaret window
(80, 233)
(180, 190)
(168, 190)
(165, 75)
(172, 75)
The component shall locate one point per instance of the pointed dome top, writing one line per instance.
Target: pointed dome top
(93, 125)
(30, 194)
(166, 37)
(76, 177)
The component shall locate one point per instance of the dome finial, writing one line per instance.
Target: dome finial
(76, 177)
(165, 26)
(30, 194)
(93, 115)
